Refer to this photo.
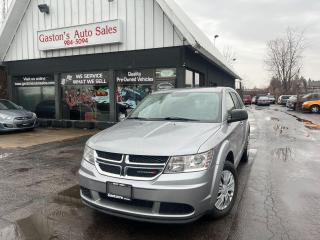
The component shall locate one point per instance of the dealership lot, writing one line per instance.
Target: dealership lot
(278, 195)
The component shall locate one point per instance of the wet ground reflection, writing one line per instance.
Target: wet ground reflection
(283, 154)
(307, 123)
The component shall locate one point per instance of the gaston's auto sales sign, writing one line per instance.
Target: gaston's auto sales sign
(107, 32)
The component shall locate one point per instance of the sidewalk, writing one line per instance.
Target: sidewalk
(40, 136)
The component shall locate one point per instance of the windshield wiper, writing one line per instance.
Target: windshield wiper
(137, 118)
(180, 119)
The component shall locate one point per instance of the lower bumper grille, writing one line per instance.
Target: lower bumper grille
(165, 208)
(175, 208)
(86, 192)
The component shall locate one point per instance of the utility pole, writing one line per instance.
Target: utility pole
(214, 40)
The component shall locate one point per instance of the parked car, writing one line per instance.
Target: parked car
(46, 109)
(247, 99)
(173, 159)
(263, 101)
(307, 97)
(311, 97)
(292, 102)
(312, 106)
(14, 117)
(254, 99)
(282, 100)
(272, 99)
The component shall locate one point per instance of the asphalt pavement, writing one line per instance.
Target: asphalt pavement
(279, 194)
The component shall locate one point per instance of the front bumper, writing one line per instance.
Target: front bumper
(171, 198)
(18, 125)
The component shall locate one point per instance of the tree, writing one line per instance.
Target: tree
(275, 87)
(284, 57)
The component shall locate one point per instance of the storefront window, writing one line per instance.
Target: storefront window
(165, 78)
(193, 79)
(86, 96)
(36, 94)
(132, 87)
(197, 80)
(189, 79)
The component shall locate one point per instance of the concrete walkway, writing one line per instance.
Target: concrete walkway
(39, 136)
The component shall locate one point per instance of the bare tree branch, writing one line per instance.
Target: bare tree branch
(284, 57)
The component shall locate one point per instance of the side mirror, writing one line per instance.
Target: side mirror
(237, 115)
(20, 107)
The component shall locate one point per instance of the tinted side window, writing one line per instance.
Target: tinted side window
(240, 100)
(229, 103)
(236, 100)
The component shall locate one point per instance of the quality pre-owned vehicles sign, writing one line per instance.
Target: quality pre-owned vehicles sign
(107, 32)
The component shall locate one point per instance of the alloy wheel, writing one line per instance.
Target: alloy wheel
(315, 109)
(226, 190)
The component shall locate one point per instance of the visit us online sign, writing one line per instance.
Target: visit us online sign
(108, 32)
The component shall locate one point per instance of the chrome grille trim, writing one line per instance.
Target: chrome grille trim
(127, 159)
(126, 165)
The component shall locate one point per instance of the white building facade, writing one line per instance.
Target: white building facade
(86, 62)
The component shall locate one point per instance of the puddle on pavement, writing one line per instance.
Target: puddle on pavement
(73, 192)
(62, 219)
(307, 123)
(283, 154)
(275, 119)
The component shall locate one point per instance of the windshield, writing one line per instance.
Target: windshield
(306, 96)
(7, 105)
(183, 106)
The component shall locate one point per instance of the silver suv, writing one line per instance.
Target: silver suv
(173, 159)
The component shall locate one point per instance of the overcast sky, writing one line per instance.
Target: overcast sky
(246, 26)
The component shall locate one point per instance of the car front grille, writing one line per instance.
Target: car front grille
(138, 167)
(23, 118)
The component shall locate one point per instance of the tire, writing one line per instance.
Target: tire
(315, 108)
(222, 211)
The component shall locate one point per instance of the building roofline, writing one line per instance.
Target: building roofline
(191, 33)
(11, 24)
(195, 37)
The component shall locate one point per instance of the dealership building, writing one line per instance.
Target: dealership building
(85, 63)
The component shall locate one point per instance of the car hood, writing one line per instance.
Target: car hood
(16, 113)
(159, 138)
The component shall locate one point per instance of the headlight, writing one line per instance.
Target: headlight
(4, 117)
(190, 163)
(88, 154)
